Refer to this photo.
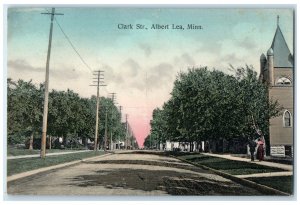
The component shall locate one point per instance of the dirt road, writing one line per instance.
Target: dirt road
(128, 174)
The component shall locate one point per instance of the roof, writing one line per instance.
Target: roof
(270, 52)
(282, 54)
(263, 57)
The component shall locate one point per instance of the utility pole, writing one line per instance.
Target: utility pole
(99, 76)
(126, 137)
(130, 135)
(113, 95)
(105, 138)
(120, 107)
(45, 115)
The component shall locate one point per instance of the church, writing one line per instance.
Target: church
(277, 71)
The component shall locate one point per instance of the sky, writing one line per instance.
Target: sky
(140, 64)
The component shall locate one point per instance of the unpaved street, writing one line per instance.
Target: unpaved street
(128, 173)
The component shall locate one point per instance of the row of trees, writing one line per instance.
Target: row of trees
(69, 115)
(211, 105)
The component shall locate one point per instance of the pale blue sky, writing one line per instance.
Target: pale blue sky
(129, 57)
(94, 29)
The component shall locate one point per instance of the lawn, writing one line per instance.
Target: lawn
(15, 166)
(282, 183)
(11, 151)
(229, 166)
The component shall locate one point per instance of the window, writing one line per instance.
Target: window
(283, 81)
(287, 119)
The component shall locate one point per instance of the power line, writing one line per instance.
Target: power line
(74, 48)
(72, 45)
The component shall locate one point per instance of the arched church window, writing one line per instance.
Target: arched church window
(283, 81)
(287, 119)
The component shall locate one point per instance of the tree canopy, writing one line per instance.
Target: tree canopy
(209, 105)
(69, 115)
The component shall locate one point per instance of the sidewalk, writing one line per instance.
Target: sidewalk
(261, 181)
(44, 169)
(265, 163)
(47, 154)
(270, 174)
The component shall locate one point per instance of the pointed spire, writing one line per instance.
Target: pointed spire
(280, 50)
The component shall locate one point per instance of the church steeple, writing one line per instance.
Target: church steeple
(282, 55)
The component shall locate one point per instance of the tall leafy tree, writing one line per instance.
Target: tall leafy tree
(69, 115)
(212, 105)
(159, 126)
(24, 106)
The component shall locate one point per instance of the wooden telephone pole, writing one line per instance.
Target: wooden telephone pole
(99, 76)
(105, 134)
(113, 98)
(120, 107)
(126, 138)
(45, 115)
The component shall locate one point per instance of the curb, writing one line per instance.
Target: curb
(48, 154)
(269, 174)
(263, 163)
(44, 169)
(262, 188)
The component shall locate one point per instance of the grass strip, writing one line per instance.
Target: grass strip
(263, 188)
(282, 183)
(229, 166)
(18, 152)
(15, 166)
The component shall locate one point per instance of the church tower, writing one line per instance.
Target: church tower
(277, 71)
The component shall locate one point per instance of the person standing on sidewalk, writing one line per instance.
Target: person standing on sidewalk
(252, 146)
(260, 150)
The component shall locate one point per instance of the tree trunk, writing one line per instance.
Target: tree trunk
(84, 142)
(50, 141)
(31, 142)
(64, 142)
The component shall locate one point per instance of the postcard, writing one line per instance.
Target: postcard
(150, 101)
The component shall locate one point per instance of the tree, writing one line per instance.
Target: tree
(148, 143)
(85, 124)
(24, 102)
(158, 126)
(69, 115)
(258, 108)
(212, 105)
